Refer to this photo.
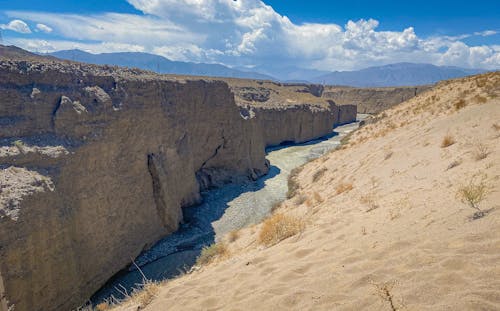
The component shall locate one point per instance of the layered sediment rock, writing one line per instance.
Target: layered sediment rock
(97, 162)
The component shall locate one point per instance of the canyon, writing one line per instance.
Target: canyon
(97, 163)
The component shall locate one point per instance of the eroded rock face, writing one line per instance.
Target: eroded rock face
(105, 158)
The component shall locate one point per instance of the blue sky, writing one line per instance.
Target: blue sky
(321, 34)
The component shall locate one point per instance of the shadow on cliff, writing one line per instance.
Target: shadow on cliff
(287, 144)
(177, 252)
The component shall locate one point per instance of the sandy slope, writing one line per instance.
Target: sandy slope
(400, 232)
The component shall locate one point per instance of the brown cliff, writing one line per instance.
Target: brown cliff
(97, 162)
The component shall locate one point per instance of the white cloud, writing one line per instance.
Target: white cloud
(43, 28)
(16, 25)
(249, 32)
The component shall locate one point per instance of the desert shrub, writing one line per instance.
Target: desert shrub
(447, 141)
(279, 227)
(473, 193)
(318, 174)
(481, 152)
(211, 253)
(343, 187)
(460, 104)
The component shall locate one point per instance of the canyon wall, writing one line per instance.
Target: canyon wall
(97, 162)
(372, 100)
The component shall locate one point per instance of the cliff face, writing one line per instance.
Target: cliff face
(372, 100)
(97, 162)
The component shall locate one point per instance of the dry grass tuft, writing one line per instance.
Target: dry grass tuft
(212, 253)
(473, 193)
(370, 201)
(143, 296)
(460, 104)
(448, 140)
(481, 152)
(343, 187)
(279, 227)
(103, 306)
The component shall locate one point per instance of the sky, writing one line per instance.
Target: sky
(316, 34)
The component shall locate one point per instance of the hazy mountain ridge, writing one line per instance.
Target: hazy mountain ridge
(399, 74)
(158, 64)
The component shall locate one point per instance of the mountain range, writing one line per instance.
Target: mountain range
(399, 74)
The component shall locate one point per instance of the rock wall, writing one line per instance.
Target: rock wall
(372, 100)
(97, 162)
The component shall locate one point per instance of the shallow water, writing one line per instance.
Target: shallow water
(231, 207)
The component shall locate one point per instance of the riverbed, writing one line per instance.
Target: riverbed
(228, 208)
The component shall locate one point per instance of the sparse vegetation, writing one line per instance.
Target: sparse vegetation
(460, 104)
(213, 252)
(279, 227)
(318, 174)
(472, 194)
(481, 152)
(448, 140)
(343, 187)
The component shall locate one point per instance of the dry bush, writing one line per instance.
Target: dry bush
(460, 104)
(481, 152)
(143, 296)
(279, 227)
(343, 187)
(473, 193)
(211, 253)
(448, 140)
(233, 235)
(318, 174)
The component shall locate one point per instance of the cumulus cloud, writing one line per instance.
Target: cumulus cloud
(43, 28)
(250, 33)
(16, 25)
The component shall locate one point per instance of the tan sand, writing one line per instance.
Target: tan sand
(401, 236)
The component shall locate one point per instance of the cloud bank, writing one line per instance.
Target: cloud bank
(247, 33)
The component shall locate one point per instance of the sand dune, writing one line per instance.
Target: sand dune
(400, 239)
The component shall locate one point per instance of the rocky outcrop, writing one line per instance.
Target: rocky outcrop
(372, 100)
(97, 162)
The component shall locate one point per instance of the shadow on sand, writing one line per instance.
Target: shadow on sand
(177, 252)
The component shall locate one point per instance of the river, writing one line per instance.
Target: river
(228, 208)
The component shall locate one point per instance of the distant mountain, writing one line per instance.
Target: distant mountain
(289, 73)
(158, 64)
(400, 74)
